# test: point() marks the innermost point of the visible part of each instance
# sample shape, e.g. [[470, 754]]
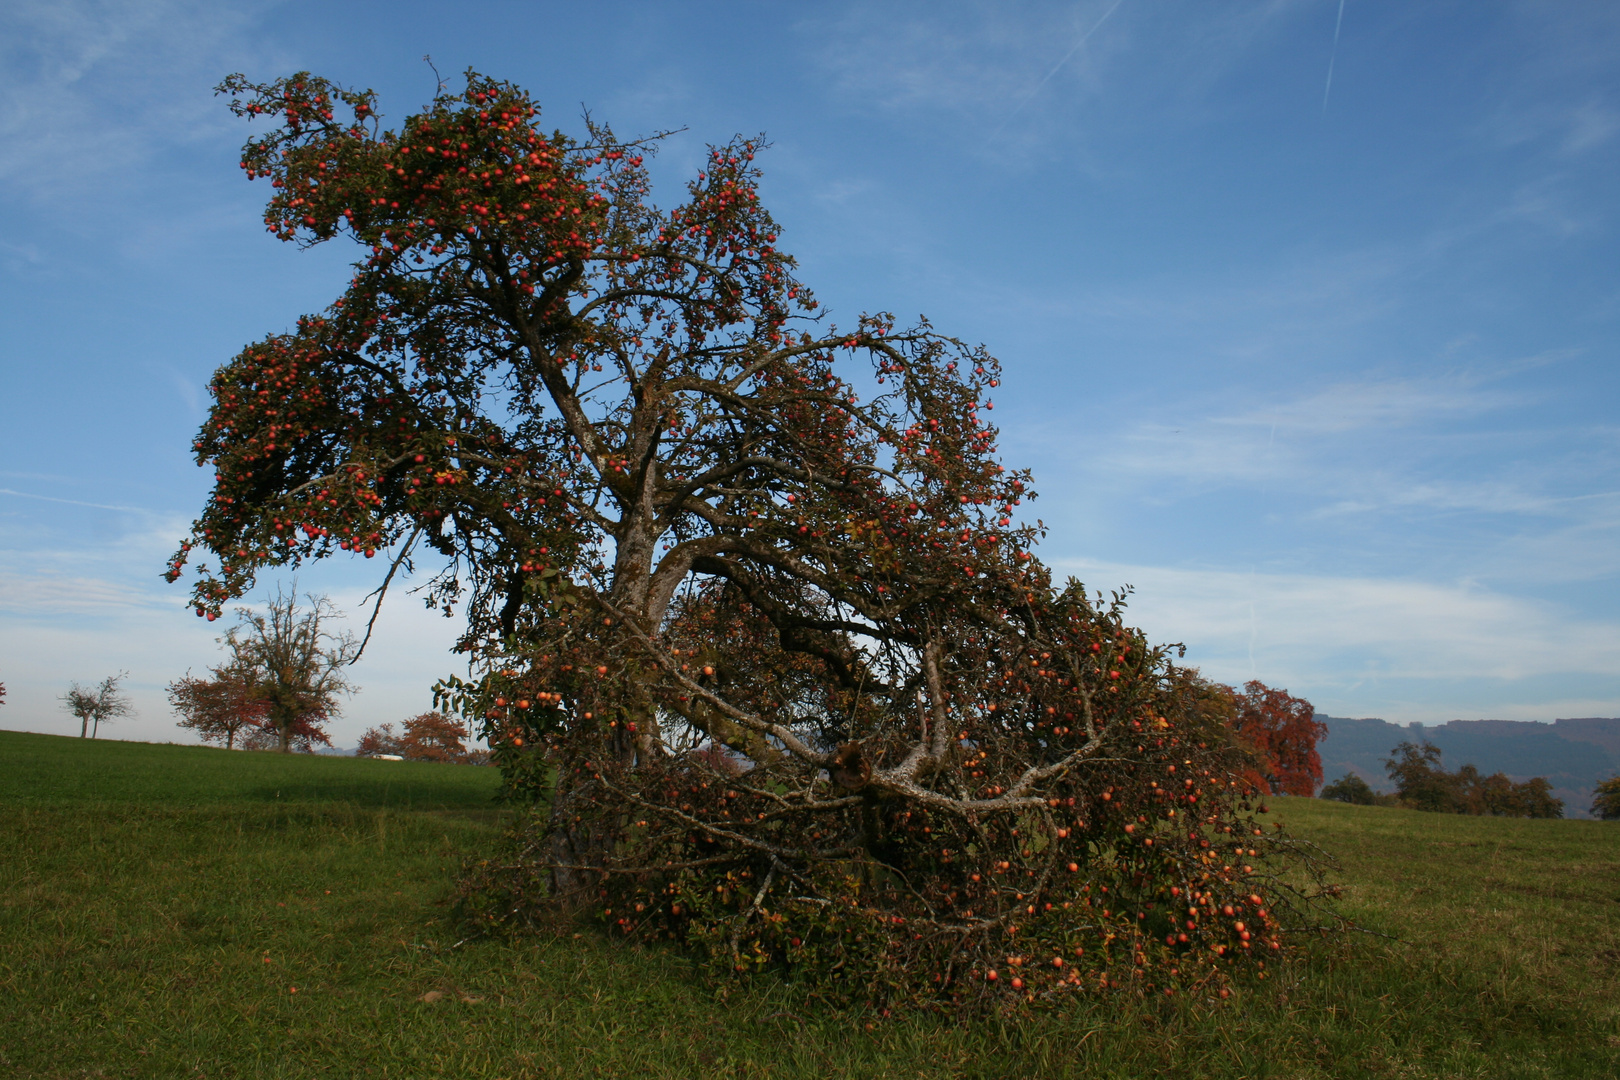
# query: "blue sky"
[[1327, 373]]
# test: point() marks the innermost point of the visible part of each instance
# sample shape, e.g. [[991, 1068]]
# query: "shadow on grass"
[[416, 793]]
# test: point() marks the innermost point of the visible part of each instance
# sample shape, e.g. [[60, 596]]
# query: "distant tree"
[[98, 705], [1420, 782], [429, 736], [1283, 731], [1423, 785], [299, 666], [379, 742], [219, 708], [2, 693], [717, 758], [1606, 799], [1534, 797], [433, 736], [1351, 788]]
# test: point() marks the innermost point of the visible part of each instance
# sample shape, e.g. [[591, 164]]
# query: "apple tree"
[[751, 615]]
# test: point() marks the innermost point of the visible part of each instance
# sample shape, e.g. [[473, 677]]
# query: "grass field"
[[187, 912]]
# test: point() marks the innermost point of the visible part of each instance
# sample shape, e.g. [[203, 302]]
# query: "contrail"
[[1334, 55], [1058, 66], [74, 502]]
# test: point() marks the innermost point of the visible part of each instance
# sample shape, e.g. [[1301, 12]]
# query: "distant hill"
[[1574, 755]]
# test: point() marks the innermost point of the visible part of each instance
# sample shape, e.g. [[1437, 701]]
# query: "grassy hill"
[[179, 911]]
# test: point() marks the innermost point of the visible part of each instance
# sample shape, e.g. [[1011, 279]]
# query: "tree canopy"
[[1283, 731], [745, 598], [1351, 788], [1606, 800], [228, 705]]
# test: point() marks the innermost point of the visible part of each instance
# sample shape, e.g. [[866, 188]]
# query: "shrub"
[[1351, 788]]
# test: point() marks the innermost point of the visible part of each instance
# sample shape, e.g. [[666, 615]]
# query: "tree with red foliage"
[[429, 736], [433, 736], [378, 742], [683, 511], [1283, 731], [219, 708]]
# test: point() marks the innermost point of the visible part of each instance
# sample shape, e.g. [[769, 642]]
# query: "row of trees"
[[429, 736], [1422, 784]]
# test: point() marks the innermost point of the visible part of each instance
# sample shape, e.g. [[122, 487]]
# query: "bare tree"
[[103, 703], [299, 665]]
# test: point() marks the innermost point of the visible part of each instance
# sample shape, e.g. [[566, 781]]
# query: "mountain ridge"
[[1574, 754]]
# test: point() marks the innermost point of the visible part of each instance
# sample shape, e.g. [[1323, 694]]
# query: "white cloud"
[[1350, 639], [1591, 125]]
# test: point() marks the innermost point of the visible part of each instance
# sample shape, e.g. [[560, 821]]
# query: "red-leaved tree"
[[219, 709], [429, 736], [1283, 731], [380, 741], [747, 604]]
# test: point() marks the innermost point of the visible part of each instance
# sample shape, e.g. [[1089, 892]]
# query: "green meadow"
[[172, 911]]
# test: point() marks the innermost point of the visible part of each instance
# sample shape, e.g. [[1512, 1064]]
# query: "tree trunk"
[[577, 846], [84, 727]]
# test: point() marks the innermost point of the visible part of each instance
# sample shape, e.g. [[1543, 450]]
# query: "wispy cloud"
[[89, 90], [982, 62], [1379, 445], [53, 596], [1591, 125], [1062, 61], [1367, 404], [1332, 637]]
